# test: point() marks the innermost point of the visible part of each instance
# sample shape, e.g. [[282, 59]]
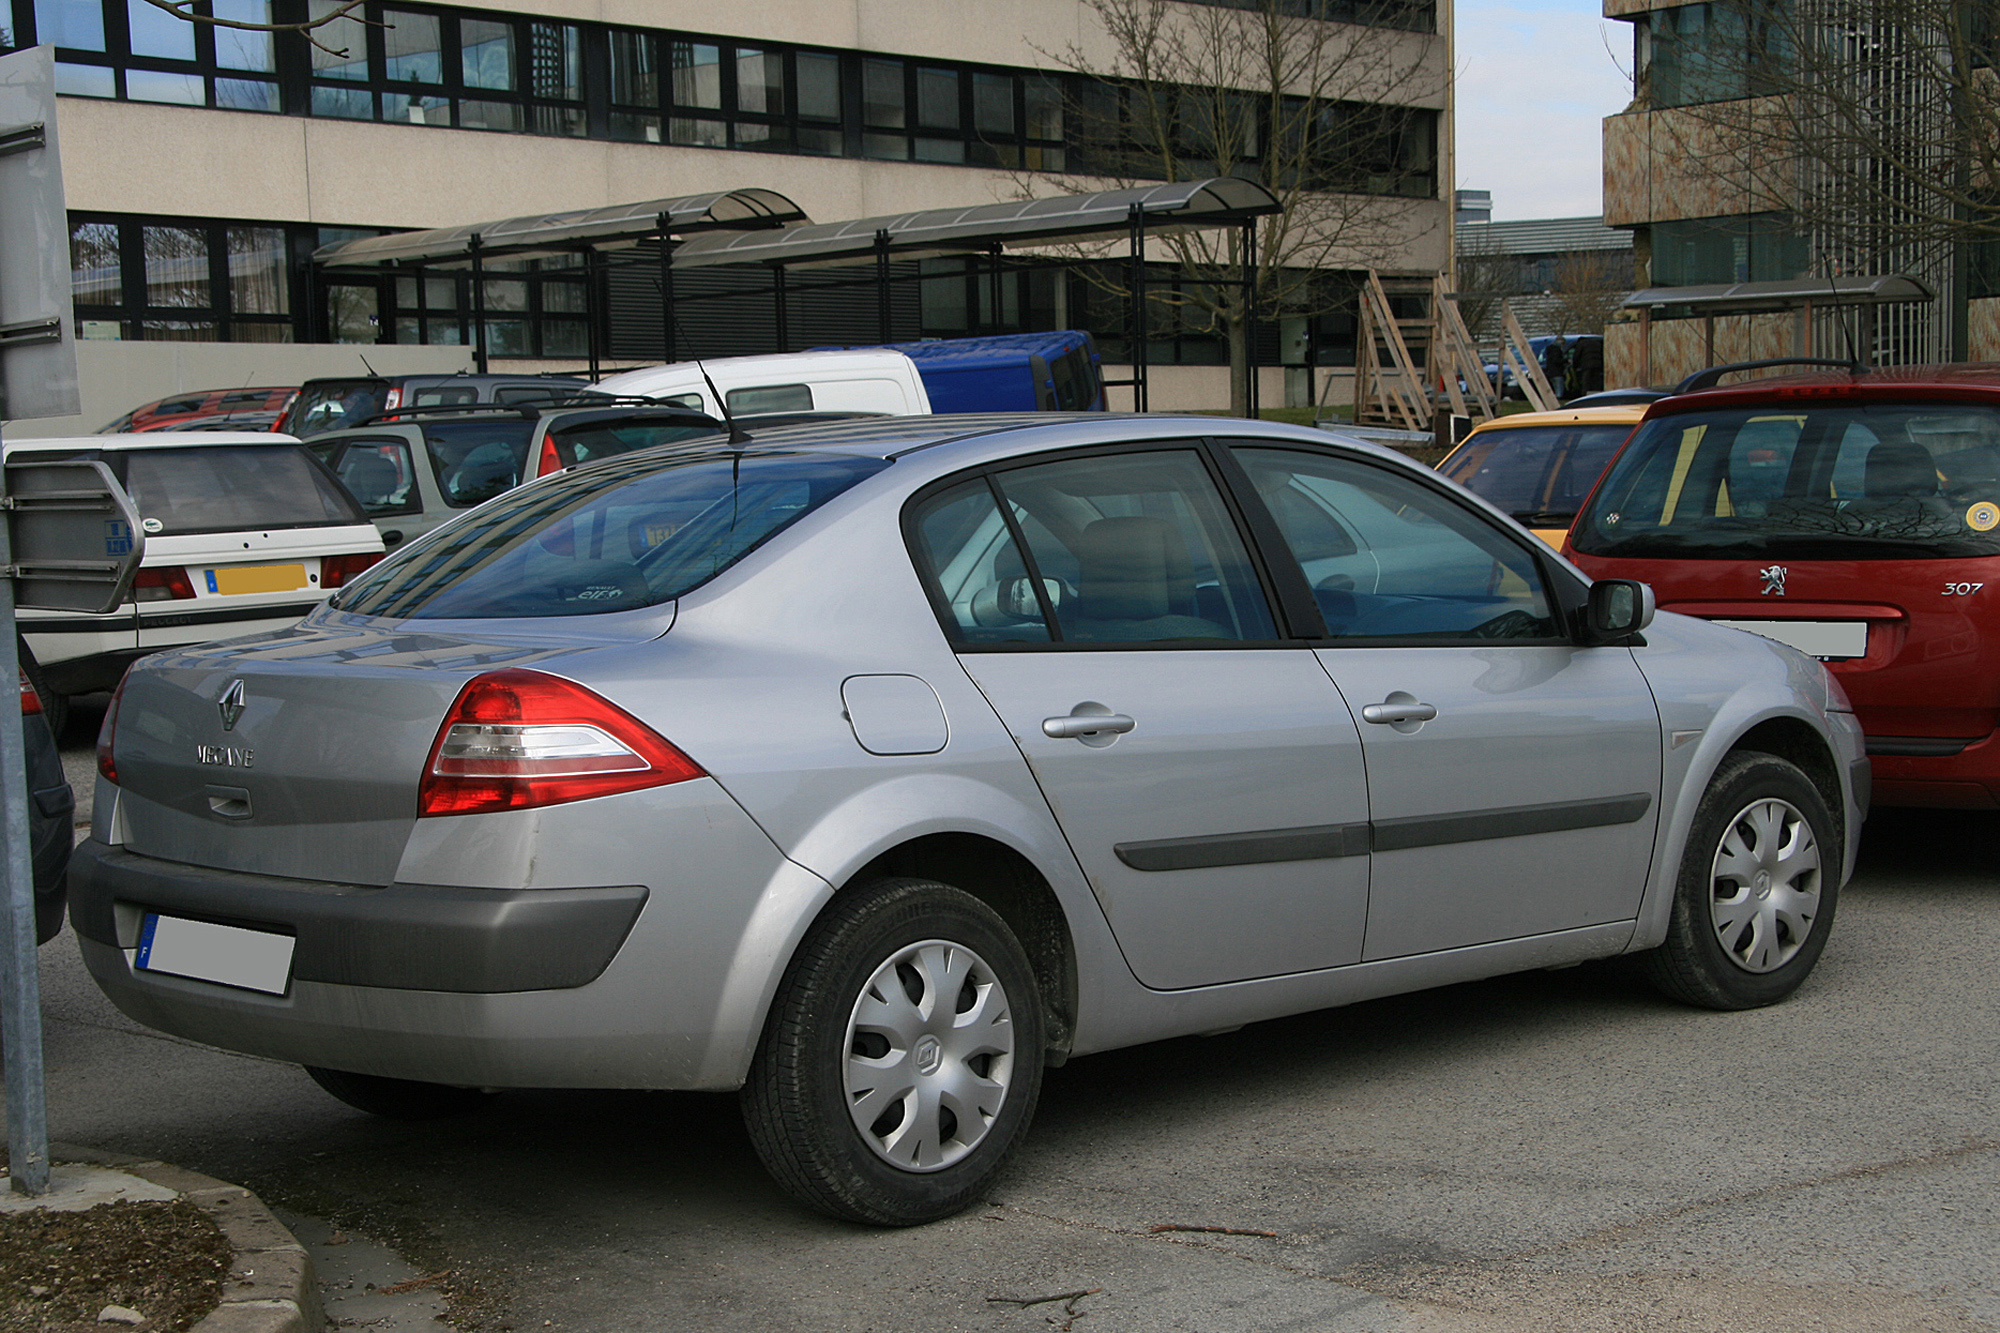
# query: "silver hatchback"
[[871, 768]]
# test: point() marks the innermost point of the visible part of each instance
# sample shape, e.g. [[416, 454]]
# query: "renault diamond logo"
[[232, 705]]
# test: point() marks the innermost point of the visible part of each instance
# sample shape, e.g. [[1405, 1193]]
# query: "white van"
[[875, 379]]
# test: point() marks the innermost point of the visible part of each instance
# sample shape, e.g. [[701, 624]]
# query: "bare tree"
[[1322, 113], [1487, 275], [1873, 124], [1588, 287]]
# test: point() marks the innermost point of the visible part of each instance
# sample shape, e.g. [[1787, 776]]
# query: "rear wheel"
[[1757, 889], [902, 1058], [398, 1098]]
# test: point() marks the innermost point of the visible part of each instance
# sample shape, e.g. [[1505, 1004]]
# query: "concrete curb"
[[271, 1286]]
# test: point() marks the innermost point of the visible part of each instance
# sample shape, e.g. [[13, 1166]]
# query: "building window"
[[180, 278], [133, 51], [1711, 53], [1751, 247]]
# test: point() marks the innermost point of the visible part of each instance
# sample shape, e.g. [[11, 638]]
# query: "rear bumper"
[[1966, 776], [403, 936]]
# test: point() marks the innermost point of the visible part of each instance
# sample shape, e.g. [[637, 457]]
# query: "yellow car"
[[1539, 466]]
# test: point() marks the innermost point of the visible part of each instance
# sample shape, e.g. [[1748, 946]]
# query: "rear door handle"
[[1079, 725], [1398, 712]]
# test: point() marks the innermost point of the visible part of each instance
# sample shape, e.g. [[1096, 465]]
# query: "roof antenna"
[[737, 435], [372, 373]]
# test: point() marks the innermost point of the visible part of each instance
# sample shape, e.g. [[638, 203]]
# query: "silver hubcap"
[[1764, 889], [930, 1055]]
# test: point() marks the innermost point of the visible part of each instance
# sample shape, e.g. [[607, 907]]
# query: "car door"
[[1207, 776], [1513, 773]]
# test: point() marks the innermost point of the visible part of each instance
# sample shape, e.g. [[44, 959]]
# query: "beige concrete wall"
[[1984, 344], [115, 377]]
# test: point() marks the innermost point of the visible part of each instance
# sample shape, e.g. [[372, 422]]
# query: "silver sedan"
[[872, 768]]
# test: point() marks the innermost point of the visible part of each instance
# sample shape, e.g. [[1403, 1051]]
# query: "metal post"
[[1250, 318], [663, 223], [593, 307], [478, 307], [780, 308], [1138, 225], [21, 1003], [882, 285], [997, 306]]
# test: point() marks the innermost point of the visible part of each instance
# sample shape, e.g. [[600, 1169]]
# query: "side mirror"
[[1618, 607]]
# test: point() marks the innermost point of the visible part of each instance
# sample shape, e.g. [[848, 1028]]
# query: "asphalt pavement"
[[1554, 1150]]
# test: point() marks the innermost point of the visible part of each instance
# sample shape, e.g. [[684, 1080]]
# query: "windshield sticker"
[[1983, 517]]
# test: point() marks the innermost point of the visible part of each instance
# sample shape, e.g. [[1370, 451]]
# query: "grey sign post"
[[37, 379]]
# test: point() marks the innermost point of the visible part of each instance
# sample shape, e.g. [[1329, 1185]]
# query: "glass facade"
[[1716, 52], [1749, 247]]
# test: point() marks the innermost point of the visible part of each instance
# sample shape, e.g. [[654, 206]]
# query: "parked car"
[[334, 403], [877, 379], [1538, 466], [1855, 516], [175, 411], [414, 468], [1577, 349], [244, 531], [51, 807], [871, 767], [220, 421], [1010, 372]]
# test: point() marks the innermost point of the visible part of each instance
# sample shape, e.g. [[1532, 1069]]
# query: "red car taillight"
[[336, 570], [516, 739], [165, 583], [550, 460], [107, 736], [30, 701]]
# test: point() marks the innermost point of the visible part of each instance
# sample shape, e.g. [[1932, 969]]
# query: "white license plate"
[[1815, 638], [228, 955]]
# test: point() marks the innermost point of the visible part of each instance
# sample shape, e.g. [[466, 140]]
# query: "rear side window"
[[232, 488], [607, 439], [1806, 481], [635, 532], [478, 459], [332, 404], [380, 474], [771, 398]]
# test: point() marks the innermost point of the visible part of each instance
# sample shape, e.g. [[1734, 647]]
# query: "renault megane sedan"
[[870, 768]]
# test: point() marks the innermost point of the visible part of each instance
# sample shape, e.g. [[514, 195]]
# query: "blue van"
[[1010, 372]]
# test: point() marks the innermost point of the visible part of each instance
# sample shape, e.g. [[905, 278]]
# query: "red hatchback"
[[1855, 516]]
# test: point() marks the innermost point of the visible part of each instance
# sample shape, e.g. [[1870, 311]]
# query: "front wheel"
[[1756, 892], [902, 1058]]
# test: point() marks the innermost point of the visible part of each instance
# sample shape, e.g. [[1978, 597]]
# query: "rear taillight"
[[166, 583], [550, 460], [517, 739], [336, 570], [107, 736], [30, 701], [393, 398]]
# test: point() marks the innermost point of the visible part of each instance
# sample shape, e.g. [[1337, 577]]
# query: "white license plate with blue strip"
[[258, 960]]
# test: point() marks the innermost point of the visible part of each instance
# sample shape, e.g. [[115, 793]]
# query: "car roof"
[[1612, 414], [154, 440], [1971, 382]]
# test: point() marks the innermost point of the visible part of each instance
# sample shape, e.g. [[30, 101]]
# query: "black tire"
[[915, 1162], [398, 1098], [1749, 920]]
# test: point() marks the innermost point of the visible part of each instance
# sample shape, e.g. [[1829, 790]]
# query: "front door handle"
[[1394, 712], [1079, 726]]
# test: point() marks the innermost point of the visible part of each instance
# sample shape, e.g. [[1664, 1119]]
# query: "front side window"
[[1389, 558], [379, 474], [1121, 548], [634, 532], [1805, 481]]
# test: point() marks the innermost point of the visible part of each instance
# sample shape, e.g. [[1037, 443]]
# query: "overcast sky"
[[1535, 80]]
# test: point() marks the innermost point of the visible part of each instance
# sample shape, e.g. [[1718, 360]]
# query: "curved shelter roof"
[[599, 228], [1170, 206], [1749, 298]]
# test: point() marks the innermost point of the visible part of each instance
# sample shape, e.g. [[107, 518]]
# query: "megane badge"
[[231, 705], [1774, 583]]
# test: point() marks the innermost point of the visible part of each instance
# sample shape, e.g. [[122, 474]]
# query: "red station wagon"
[[1854, 515]]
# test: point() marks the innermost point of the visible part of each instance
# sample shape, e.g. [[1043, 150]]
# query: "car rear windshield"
[[327, 405], [479, 458], [232, 488], [1538, 474], [1846, 481], [634, 532]]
